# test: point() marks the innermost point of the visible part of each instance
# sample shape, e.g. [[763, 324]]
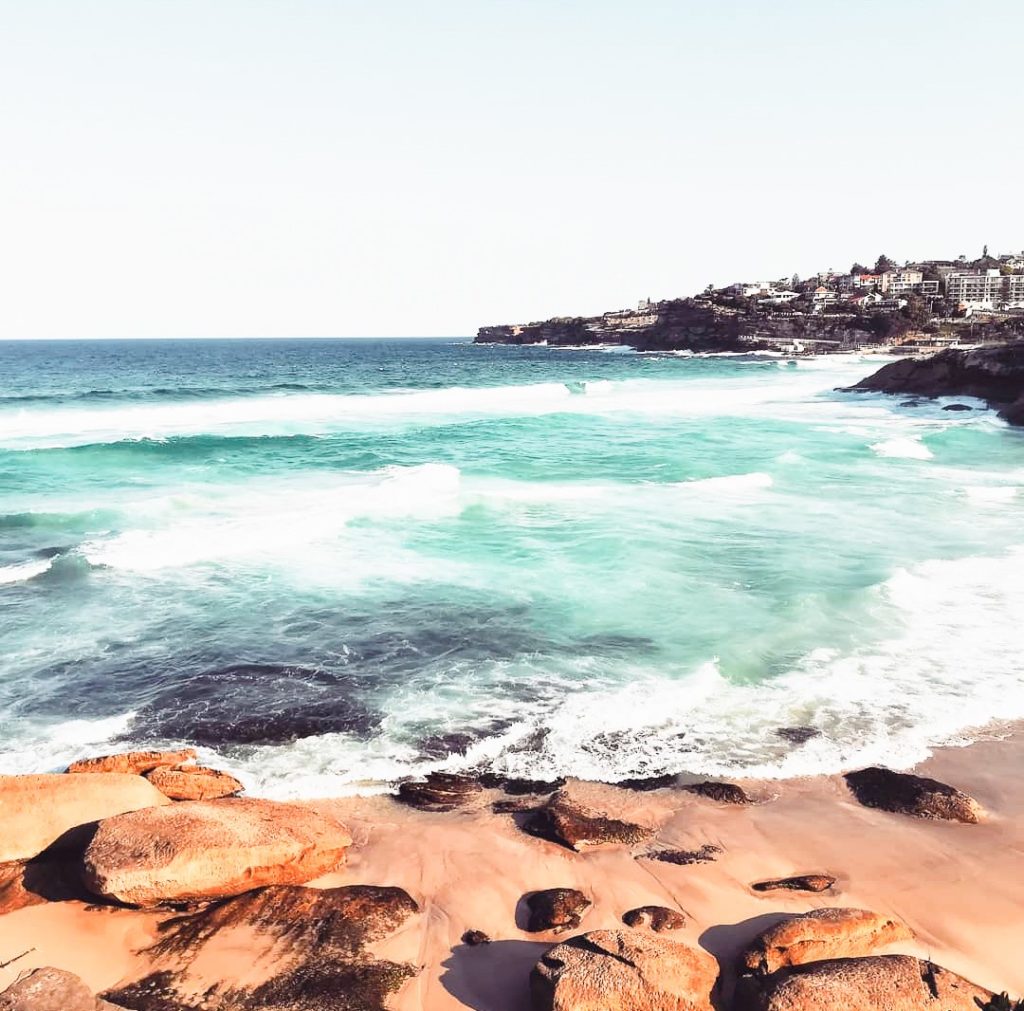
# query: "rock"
[[565, 821], [705, 855], [133, 762], [555, 909], [38, 812], [648, 784], [442, 791], [624, 970], [193, 782], [199, 850], [49, 878], [797, 735], [313, 941], [724, 793], [904, 793], [51, 989], [957, 407], [994, 374], [475, 937], [798, 883], [892, 982], [658, 918], [821, 934]]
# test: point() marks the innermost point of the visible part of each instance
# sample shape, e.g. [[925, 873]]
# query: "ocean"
[[330, 564]]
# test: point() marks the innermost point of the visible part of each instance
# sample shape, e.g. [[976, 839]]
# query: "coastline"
[[956, 886]]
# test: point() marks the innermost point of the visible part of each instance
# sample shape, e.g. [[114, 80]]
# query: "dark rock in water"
[[705, 855], [645, 785], [315, 939], [797, 735], [51, 989], [442, 745], [564, 821], [442, 791], [798, 883], [724, 793], [994, 374], [520, 787], [957, 407], [475, 937], [919, 796], [658, 918], [555, 909]]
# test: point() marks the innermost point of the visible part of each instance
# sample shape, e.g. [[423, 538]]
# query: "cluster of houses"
[[991, 284]]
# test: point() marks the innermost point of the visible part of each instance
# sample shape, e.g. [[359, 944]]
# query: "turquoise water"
[[330, 564]]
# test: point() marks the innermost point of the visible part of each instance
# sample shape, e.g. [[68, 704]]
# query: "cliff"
[[993, 374], [695, 324]]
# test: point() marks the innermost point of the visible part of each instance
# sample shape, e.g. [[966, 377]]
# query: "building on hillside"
[[780, 297], [752, 289], [822, 297], [896, 282], [989, 289], [864, 299], [867, 280]]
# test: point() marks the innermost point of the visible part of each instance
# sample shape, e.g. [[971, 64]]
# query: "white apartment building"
[[988, 289], [897, 282]]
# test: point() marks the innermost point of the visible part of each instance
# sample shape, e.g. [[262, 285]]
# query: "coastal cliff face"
[[993, 374], [679, 324]]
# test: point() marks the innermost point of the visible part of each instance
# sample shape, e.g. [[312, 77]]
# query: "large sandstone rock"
[[193, 782], [38, 811], [904, 793], [556, 909], [565, 820], [133, 762], [627, 970], [821, 934], [51, 990], [197, 850], [889, 982]]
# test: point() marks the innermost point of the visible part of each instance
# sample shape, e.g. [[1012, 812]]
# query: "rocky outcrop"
[[313, 941], [723, 793], [707, 854], [658, 918], [474, 938], [557, 909], [993, 374], [441, 791], [641, 971], [798, 883], [193, 782], [565, 820], [903, 793], [51, 989], [133, 762], [199, 850], [821, 934], [38, 812], [892, 982]]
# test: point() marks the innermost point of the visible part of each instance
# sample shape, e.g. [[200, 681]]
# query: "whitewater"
[[331, 565]]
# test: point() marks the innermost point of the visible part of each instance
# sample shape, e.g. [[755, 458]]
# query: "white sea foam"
[[991, 494], [903, 449], [34, 747], [21, 571]]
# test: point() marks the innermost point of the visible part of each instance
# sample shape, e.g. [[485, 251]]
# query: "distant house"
[[988, 289], [867, 281], [897, 282], [821, 297], [864, 299], [780, 297]]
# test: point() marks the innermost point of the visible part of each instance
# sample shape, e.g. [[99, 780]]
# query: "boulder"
[[199, 850], [892, 982], [821, 934], [441, 791], [798, 883], [193, 782], [51, 989], [555, 909], [903, 793], [133, 762], [475, 937], [707, 854], [38, 812], [724, 793], [564, 820], [658, 918], [625, 969]]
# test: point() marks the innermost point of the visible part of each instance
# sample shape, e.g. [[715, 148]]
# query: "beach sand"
[[959, 887]]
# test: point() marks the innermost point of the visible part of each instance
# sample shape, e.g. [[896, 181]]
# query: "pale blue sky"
[[258, 168]]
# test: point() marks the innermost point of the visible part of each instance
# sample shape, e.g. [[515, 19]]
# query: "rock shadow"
[[492, 977], [726, 941]]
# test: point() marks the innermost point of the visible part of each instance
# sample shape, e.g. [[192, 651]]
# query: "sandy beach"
[[957, 886]]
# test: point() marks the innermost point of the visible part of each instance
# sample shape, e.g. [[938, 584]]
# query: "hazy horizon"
[[343, 170]]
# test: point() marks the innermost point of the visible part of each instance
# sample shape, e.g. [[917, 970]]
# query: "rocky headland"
[[877, 889], [993, 374]]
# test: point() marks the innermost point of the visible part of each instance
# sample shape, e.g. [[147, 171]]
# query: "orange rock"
[[37, 812], [209, 849], [625, 969], [51, 990], [822, 934], [134, 762], [893, 982], [193, 782]]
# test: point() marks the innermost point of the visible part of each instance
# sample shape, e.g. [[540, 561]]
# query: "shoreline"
[[957, 886]]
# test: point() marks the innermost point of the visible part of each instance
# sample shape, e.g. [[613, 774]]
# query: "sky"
[[263, 168]]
